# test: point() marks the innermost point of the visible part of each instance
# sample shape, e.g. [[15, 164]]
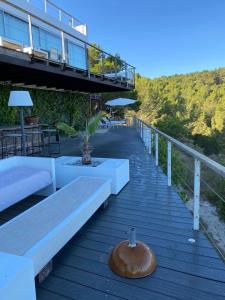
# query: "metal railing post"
[[142, 131], [30, 32], [196, 193], [150, 141], [63, 47], [147, 138], [169, 152], [126, 74], [45, 3], [144, 134], [102, 63], [60, 15], [156, 149], [87, 61], [115, 65]]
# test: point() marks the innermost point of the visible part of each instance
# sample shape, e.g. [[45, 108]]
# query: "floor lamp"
[[21, 99]]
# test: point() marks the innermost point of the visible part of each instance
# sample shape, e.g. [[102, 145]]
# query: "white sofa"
[[21, 177]]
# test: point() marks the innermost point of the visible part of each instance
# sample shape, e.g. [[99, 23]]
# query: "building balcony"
[[49, 48]]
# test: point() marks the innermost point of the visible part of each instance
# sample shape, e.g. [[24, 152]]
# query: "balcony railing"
[[151, 136], [61, 15]]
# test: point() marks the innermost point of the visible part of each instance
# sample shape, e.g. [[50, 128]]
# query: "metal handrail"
[[199, 158], [218, 168]]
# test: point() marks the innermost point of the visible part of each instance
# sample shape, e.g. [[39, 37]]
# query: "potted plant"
[[66, 129], [31, 119], [90, 129]]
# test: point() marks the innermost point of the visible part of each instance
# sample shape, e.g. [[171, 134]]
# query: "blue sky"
[[158, 37]]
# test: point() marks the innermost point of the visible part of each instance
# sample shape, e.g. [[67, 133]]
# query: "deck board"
[[185, 271]]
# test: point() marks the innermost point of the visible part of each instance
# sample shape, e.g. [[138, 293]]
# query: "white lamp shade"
[[20, 98]]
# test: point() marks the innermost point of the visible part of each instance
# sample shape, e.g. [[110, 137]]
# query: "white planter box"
[[115, 169]]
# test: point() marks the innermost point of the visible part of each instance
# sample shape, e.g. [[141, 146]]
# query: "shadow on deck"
[[185, 271]]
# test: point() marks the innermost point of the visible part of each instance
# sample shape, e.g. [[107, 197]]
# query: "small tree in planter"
[[90, 129], [31, 119], [66, 129]]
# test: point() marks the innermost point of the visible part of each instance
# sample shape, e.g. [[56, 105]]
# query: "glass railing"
[[61, 15], [109, 66]]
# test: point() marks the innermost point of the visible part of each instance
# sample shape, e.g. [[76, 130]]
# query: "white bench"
[[21, 177], [40, 232]]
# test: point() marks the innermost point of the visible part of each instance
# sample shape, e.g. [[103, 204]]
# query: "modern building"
[[49, 47]]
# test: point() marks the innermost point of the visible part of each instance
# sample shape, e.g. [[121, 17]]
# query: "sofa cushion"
[[20, 182]]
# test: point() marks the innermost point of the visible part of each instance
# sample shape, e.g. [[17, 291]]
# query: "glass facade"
[[16, 29], [2, 31], [76, 56], [48, 42], [36, 37], [51, 43]]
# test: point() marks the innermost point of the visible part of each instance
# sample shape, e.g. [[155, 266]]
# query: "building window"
[[2, 31], [51, 43], [16, 29], [76, 56], [36, 37], [47, 41]]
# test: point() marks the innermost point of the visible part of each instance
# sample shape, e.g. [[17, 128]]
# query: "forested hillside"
[[191, 108], [187, 106]]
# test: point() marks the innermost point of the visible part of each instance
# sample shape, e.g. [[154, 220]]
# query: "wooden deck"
[[185, 271]]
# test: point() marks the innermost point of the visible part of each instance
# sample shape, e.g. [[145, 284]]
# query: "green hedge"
[[52, 107]]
